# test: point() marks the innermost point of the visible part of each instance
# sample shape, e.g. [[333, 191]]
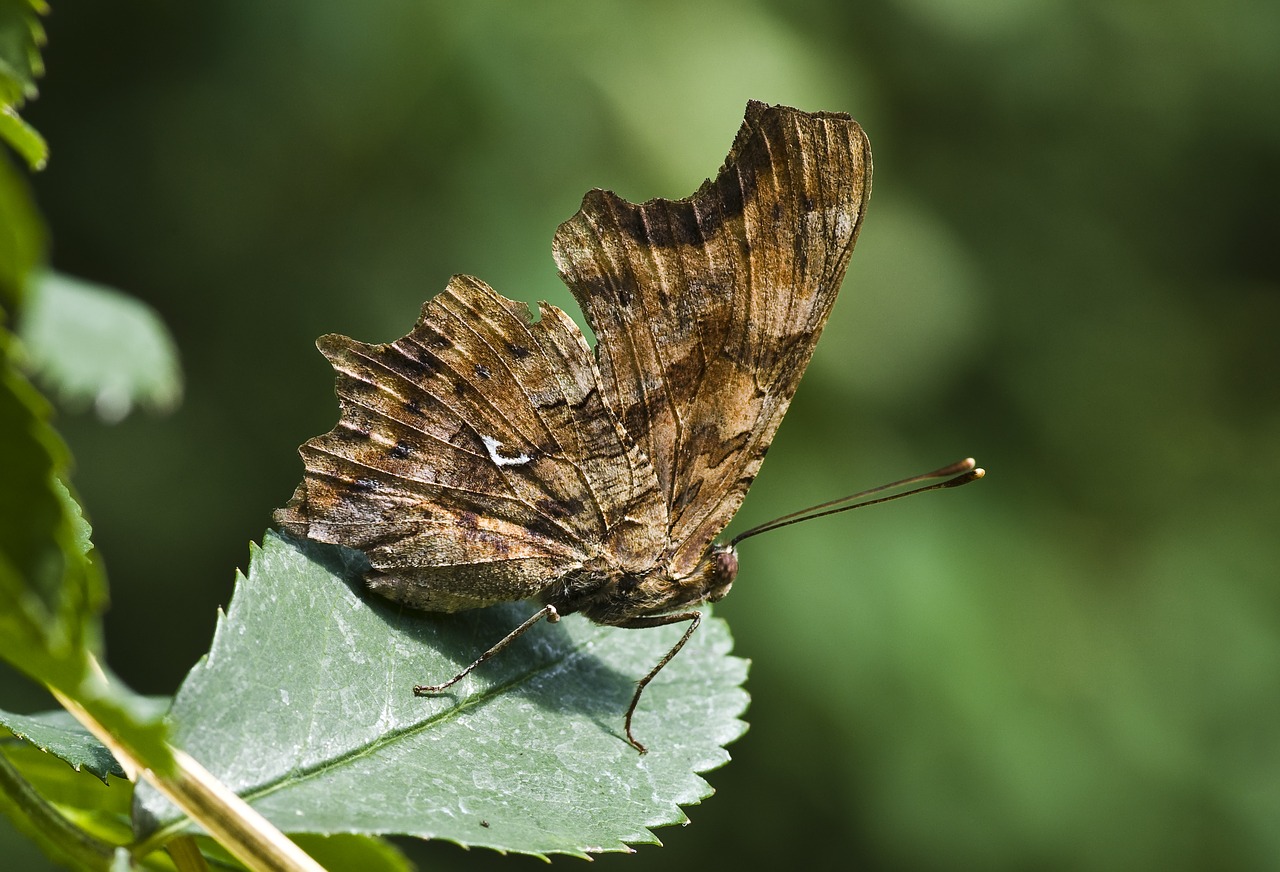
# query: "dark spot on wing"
[[684, 228], [683, 499], [407, 360], [557, 403], [730, 202], [636, 419], [629, 217], [561, 509], [716, 448], [431, 336], [594, 290], [545, 527]]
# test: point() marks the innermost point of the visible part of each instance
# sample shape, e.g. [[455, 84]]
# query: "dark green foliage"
[[21, 37]]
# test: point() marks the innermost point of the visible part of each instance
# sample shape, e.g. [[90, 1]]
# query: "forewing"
[[475, 460], [707, 309]]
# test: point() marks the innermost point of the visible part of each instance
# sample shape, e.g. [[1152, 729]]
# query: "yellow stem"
[[249, 836]]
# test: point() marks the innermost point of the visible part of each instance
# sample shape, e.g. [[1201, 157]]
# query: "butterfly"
[[491, 456]]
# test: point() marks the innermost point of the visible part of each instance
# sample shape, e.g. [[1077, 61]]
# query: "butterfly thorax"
[[610, 596]]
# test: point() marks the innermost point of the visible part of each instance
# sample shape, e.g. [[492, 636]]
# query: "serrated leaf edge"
[[696, 793]]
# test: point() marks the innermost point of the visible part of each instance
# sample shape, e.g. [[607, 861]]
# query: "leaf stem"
[[186, 854], [249, 836], [36, 816]]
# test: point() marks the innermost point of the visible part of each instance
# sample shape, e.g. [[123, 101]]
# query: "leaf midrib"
[[473, 700]]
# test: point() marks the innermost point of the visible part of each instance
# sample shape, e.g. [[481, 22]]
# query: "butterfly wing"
[[475, 460], [707, 309]]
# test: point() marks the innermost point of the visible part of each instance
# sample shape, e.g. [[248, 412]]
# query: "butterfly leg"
[[548, 612], [694, 618]]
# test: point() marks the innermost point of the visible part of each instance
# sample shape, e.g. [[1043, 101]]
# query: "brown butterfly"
[[490, 456]]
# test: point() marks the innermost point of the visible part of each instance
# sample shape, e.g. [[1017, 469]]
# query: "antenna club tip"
[[960, 467], [963, 478]]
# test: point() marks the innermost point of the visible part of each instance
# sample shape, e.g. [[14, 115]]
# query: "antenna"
[[961, 472]]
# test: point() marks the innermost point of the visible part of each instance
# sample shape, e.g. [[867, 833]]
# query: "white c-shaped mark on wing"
[[492, 445]]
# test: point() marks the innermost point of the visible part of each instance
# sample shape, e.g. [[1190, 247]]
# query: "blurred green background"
[[1069, 270]]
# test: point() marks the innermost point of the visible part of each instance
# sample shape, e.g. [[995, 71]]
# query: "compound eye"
[[725, 565]]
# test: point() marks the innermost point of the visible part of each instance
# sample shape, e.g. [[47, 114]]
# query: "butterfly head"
[[722, 569]]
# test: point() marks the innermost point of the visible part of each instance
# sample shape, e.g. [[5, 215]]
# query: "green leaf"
[[51, 587], [21, 36], [304, 706], [22, 235], [93, 811], [93, 345], [24, 138], [67, 788], [60, 838], [350, 851], [90, 810], [61, 735]]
